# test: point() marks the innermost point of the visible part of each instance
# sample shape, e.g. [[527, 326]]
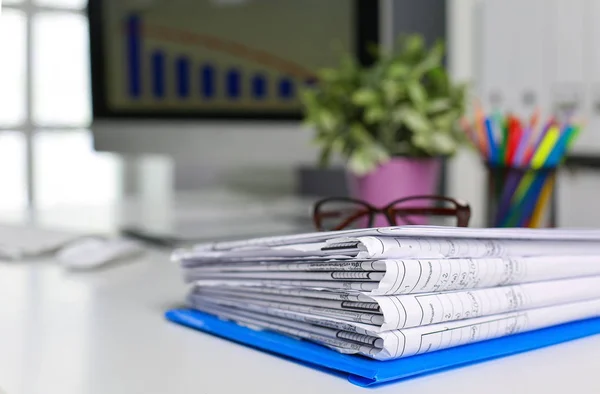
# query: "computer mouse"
[[92, 253]]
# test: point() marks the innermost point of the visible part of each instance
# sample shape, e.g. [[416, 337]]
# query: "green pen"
[[503, 124], [573, 137]]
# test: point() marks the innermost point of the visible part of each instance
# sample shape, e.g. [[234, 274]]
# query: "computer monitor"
[[216, 80]]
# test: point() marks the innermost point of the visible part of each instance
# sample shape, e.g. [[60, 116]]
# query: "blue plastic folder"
[[366, 372]]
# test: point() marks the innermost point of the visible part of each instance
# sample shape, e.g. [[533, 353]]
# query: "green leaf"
[[458, 93], [360, 134], [348, 62], [327, 121], [437, 80], [442, 144], [417, 94], [374, 115], [328, 74], [446, 120], [415, 121], [308, 96], [439, 105], [365, 97], [397, 116], [414, 45], [379, 153], [398, 71], [308, 122], [432, 60], [392, 90], [422, 141], [367, 158], [325, 156], [360, 163]]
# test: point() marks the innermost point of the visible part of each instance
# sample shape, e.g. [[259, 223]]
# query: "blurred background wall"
[[48, 157]]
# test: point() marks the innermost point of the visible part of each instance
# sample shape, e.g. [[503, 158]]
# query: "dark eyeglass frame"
[[462, 211]]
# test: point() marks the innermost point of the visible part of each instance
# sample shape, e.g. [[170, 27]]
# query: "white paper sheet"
[[291, 291], [279, 283], [409, 276], [308, 265], [365, 276], [423, 339], [425, 309], [405, 311], [408, 272], [360, 306], [411, 231], [397, 247], [375, 319], [199, 302], [418, 340], [341, 341], [390, 247], [431, 275]]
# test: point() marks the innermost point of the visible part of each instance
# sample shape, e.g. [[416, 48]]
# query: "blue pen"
[[492, 157], [559, 149]]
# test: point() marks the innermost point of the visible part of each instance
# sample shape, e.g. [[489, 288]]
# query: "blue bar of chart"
[[181, 76], [157, 67], [233, 84], [259, 87], [134, 53], [182, 70], [207, 81], [286, 88]]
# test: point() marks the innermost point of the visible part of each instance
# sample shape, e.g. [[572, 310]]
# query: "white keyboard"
[[20, 241]]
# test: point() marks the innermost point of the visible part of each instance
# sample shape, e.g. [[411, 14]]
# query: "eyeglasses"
[[339, 213]]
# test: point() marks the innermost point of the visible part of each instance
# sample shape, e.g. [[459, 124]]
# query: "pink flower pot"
[[400, 177]]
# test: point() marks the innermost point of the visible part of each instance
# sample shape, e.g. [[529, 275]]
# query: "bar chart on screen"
[[207, 58], [176, 67]]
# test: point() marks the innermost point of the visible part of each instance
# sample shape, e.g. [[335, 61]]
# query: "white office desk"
[[104, 333]]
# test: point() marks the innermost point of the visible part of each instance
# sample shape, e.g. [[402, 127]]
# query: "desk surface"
[[104, 332]]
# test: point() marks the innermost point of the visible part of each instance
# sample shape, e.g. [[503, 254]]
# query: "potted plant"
[[393, 121]]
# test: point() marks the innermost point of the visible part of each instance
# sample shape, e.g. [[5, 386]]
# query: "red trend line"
[[231, 47]]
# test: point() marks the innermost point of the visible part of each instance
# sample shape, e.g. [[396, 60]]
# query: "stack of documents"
[[395, 292]]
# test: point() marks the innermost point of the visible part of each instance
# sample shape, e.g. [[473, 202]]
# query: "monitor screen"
[[219, 58]]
